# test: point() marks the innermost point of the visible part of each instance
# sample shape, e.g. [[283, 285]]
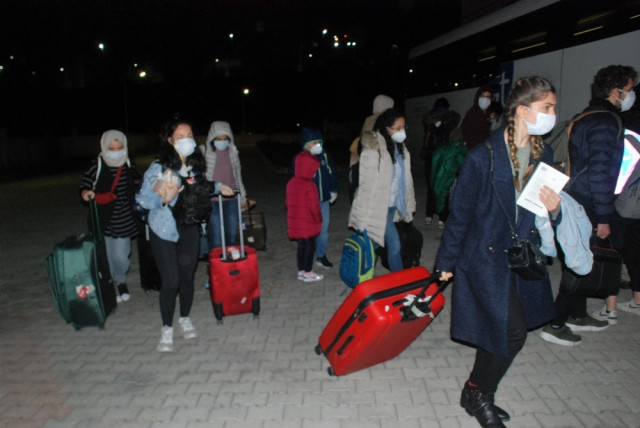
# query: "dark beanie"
[[310, 134]]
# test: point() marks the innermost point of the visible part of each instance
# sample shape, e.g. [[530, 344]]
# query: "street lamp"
[[245, 94], [101, 47]]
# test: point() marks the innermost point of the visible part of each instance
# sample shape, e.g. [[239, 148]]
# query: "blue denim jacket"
[[161, 219]]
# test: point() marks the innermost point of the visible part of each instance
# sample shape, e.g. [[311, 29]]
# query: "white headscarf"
[[106, 139]]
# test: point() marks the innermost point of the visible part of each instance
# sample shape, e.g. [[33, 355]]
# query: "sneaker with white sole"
[[587, 323], [604, 315], [324, 262], [312, 277], [560, 336], [166, 339], [630, 307], [428, 220], [186, 328], [123, 293], [440, 224], [301, 275]]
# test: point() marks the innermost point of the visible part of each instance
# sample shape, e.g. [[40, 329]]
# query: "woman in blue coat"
[[492, 307]]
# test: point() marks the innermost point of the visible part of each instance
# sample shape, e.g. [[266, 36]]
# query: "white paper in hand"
[[544, 175]]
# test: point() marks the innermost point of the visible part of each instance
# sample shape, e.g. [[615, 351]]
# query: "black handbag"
[[526, 259], [604, 278]]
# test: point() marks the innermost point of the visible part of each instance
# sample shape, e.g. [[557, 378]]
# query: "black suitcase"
[[411, 241], [149, 275], [255, 230]]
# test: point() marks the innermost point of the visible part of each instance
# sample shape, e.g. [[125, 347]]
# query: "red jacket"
[[304, 218]]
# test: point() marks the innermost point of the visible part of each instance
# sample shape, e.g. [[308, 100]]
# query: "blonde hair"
[[524, 92]]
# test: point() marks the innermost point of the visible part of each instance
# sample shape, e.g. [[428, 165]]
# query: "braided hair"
[[524, 92]]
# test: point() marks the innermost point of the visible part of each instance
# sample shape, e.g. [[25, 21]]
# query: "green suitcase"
[[80, 279]]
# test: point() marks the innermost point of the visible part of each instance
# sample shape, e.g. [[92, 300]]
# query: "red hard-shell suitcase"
[[233, 277], [379, 319]]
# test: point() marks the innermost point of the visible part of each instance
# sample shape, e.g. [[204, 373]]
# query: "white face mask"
[[544, 123], [185, 146], [316, 150], [116, 155], [221, 144], [399, 136], [484, 103], [627, 103]]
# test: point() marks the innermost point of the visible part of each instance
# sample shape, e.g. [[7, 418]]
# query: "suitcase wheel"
[[330, 371], [318, 350]]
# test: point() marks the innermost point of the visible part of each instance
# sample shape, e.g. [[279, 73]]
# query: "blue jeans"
[[323, 239], [392, 243], [118, 251], [230, 215]]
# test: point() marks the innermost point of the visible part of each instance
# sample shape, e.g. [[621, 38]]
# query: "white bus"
[[566, 41]]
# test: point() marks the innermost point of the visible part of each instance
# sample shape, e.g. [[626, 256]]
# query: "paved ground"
[[264, 373]]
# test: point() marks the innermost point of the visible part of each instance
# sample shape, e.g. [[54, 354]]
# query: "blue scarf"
[[401, 203]]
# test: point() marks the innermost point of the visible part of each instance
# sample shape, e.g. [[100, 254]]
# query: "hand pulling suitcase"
[[379, 319], [80, 278], [233, 277]]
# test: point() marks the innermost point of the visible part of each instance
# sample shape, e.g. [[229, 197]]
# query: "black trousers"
[[177, 265], [306, 248], [489, 369], [626, 237]]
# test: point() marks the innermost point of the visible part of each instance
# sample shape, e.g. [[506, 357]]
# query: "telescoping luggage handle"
[[419, 306], [224, 244]]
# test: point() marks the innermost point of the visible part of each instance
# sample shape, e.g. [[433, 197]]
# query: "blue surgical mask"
[[185, 146], [221, 144], [484, 103], [627, 103], [116, 155], [544, 123], [316, 150]]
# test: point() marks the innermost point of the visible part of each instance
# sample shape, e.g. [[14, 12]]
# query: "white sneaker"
[[603, 315], [186, 328], [630, 307], [428, 220], [166, 340], [125, 297], [312, 277], [440, 224]]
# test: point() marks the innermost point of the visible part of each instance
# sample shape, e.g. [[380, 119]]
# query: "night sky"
[[54, 78]]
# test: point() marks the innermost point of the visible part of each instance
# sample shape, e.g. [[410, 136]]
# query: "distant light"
[[217, 60], [324, 31], [11, 57], [353, 44], [344, 35], [487, 58], [231, 35], [135, 65], [245, 91], [634, 17], [455, 84], [589, 30], [33, 73], [298, 125], [411, 70], [336, 44], [101, 46], [142, 74], [528, 47], [61, 68], [335, 38], [310, 55], [1, 67]]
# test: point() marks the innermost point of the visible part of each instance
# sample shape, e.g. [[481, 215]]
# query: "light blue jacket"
[[573, 233], [161, 219]]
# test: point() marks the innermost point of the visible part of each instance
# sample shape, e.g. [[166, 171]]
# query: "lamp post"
[[245, 94]]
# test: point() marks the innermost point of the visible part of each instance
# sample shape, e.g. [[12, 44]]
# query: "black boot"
[[480, 405], [466, 400]]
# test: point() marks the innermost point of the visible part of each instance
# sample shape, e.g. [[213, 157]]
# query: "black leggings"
[[306, 248], [488, 368], [177, 265]]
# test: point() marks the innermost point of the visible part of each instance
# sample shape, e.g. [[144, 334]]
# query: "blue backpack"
[[358, 259]]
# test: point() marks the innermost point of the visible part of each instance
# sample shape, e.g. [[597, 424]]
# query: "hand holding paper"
[[544, 175]]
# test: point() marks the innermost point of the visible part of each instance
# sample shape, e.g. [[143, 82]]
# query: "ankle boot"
[[480, 405], [466, 400]]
